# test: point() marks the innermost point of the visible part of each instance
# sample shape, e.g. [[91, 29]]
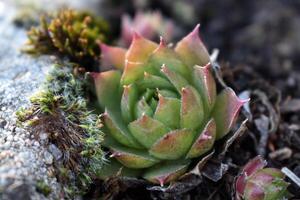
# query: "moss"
[[69, 33], [43, 188], [61, 110]]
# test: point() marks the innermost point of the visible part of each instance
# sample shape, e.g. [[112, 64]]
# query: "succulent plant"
[[161, 105], [70, 33], [259, 183], [150, 25]]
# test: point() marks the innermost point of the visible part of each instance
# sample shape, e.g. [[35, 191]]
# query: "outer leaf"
[[205, 140], [192, 112], [166, 56], [108, 89], [132, 72], [167, 172], [119, 131], [128, 101], [113, 167], [206, 85], [191, 49], [152, 81], [168, 111], [133, 158], [112, 56], [173, 145], [253, 192], [250, 168], [140, 49], [177, 80], [147, 130], [226, 110], [142, 108]]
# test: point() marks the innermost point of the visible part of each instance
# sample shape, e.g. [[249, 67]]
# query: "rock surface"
[[22, 158], [24, 161]]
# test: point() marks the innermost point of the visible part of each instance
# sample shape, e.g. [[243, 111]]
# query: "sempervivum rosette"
[[161, 105], [259, 183]]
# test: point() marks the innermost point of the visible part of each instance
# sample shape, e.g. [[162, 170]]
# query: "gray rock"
[[48, 158], [55, 152], [20, 76], [23, 160]]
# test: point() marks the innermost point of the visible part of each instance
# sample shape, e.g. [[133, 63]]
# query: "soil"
[[259, 44]]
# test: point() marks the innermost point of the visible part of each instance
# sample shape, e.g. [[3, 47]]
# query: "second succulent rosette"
[[161, 107]]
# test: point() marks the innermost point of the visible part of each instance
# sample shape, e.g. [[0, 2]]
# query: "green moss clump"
[[43, 188], [69, 33], [61, 110]]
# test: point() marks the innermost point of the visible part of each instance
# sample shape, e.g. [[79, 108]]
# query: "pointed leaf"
[[226, 110], [108, 89], [119, 131], [168, 111], [206, 85], [191, 49], [128, 101], [192, 112], [250, 168], [113, 168], [132, 72], [132, 158], [178, 81], [152, 81], [147, 130], [140, 49], [112, 56], [167, 172], [166, 56], [205, 140], [173, 145], [253, 192], [142, 108], [168, 93]]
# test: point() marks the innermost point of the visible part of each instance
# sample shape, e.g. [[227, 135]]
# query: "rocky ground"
[[24, 162]]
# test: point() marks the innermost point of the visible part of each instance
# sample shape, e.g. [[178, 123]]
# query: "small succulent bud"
[[161, 105], [258, 183]]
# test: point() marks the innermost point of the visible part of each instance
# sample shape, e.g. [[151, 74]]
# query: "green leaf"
[[191, 49], [152, 81], [132, 158], [206, 85], [142, 108], [173, 145], [128, 101], [205, 140], [192, 113], [108, 89], [147, 130], [133, 71], [140, 49], [177, 80], [113, 168], [226, 110], [168, 111], [118, 130], [166, 172], [112, 56], [166, 56]]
